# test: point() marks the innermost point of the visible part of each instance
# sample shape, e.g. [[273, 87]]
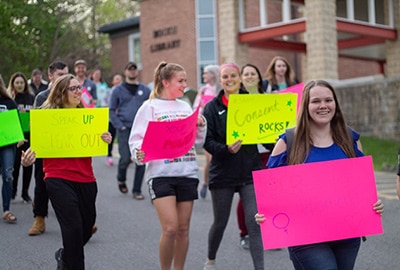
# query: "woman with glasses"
[[70, 183]]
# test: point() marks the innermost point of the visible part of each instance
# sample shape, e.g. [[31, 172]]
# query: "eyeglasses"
[[74, 88]]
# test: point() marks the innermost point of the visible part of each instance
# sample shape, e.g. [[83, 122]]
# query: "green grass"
[[383, 152]]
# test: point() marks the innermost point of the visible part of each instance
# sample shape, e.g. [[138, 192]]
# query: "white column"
[[371, 11], [263, 13], [350, 9], [390, 13], [286, 11]]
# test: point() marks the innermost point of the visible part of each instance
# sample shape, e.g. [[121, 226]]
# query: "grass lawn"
[[383, 152]]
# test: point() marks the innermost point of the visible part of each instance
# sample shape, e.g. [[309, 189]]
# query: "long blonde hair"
[[58, 97], [302, 141], [164, 71]]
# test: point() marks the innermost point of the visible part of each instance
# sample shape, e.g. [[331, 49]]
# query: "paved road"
[[129, 231]]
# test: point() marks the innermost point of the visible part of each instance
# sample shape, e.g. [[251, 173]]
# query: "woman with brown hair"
[[321, 134], [24, 97], [70, 183], [279, 75]]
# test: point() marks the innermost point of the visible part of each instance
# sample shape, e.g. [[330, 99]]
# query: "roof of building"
[[120, 25]]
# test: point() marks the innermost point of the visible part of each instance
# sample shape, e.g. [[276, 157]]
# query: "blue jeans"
[[335, 255], [125, 160], [7, 156]]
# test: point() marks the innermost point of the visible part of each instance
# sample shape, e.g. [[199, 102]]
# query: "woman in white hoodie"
[[172, 182]]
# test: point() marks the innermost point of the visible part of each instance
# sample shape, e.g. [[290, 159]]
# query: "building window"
[[369, 11], [135, 50], [206, 35]]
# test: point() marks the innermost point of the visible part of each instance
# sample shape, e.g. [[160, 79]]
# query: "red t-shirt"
[[71, 169]]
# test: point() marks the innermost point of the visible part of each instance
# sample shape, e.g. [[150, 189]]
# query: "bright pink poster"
[[167, 140], [296, 89], [206, 98], [86, 98], [317, 202]]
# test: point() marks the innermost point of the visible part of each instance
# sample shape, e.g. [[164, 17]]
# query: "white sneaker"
[[210, 265], [244, 242]]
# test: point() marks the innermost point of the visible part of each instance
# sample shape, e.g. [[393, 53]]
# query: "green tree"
[[36, 32]]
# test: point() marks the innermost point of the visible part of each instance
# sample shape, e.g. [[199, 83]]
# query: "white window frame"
[[132, 38]]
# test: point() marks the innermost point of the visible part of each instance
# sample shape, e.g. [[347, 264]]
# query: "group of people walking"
[[321, 134]]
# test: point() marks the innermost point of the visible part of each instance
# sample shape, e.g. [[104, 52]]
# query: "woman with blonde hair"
[[230, 171], [172, 182]]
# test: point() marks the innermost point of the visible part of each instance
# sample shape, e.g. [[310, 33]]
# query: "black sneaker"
[[26, 198], [58, 255]]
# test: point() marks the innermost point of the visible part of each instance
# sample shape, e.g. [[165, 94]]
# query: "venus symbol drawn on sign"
[[281, 221]]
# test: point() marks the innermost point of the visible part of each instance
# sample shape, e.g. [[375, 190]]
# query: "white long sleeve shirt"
[[165, 110]]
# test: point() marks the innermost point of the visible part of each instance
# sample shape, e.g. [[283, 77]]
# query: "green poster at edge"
[[25, 121], [10, 128]]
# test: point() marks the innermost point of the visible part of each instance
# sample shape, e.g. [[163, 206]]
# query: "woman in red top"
[[70, 183]]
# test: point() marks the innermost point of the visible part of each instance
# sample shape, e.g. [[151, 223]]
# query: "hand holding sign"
[[259, 118], [69, 132], [177, 138], [10, 128], [290, 216]]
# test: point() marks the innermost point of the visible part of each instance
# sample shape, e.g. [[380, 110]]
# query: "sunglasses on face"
[[75, 88]]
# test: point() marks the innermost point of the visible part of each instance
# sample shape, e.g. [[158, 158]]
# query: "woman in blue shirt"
[[321, 135]]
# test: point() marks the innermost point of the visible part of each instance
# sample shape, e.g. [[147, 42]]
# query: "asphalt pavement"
[[128, 233]]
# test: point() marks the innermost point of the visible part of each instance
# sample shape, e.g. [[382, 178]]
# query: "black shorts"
[[183, 188]]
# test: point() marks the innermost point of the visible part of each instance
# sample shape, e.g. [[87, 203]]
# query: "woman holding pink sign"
[[205, 95], [321, 134], [172, 182]]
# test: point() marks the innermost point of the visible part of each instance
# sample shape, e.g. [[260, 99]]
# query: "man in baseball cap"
[[130, 65], [80, 68], [125, 101]]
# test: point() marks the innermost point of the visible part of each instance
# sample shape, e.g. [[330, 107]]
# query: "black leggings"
[[222, 203], [74, 206], [26, 172]]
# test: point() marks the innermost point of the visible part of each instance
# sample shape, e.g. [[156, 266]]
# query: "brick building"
[[330, 39]]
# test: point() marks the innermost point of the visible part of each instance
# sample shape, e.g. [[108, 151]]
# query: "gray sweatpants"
[[222, 203]]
